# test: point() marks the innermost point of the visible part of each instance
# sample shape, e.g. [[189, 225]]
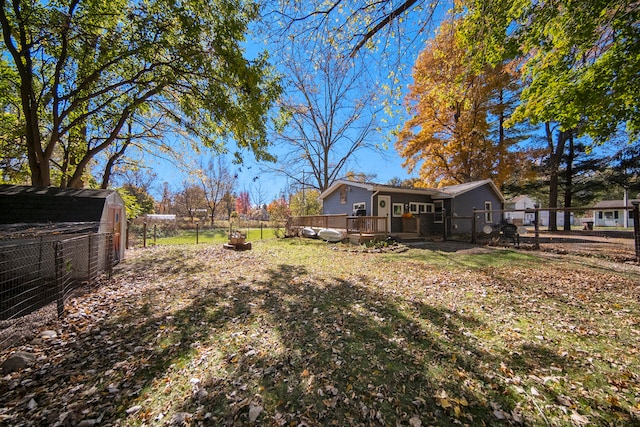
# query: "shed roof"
[[24, 204]]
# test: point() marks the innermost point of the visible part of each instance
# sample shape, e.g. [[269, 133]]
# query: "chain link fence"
[[40, 273], [562, 230]]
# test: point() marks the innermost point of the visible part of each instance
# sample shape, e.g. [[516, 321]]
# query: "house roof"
[[373, 187], [614, 204], [456, 190], [24, 204], [519, 198], [437, 193]]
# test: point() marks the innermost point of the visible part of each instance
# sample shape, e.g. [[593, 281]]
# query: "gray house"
[[422, 210]]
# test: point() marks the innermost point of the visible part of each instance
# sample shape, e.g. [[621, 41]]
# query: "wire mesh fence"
[[42, 272], [142, 232], [580, 231]]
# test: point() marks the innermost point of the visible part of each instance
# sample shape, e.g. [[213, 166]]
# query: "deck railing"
[[367, 225], [351, 224], [319, 221]]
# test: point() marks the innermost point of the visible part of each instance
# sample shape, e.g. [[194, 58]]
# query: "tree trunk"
[[568, 188], [555, 157]]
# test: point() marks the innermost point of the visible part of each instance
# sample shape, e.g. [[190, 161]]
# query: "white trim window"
[[358, 206], [488, 214], [418, 208], [398, 209], [438, 208]]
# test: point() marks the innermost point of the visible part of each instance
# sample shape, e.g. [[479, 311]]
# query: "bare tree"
[[334, 114], [216, 181], [166, 202], [357, 25], [190, 199]]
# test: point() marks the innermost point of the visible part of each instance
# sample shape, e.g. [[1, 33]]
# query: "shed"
[[99, 211]]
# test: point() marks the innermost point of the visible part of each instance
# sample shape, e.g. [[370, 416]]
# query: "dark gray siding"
[[462, 207], [405, 199]]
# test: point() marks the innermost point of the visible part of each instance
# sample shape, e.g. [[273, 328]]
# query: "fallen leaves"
[[302, 335]]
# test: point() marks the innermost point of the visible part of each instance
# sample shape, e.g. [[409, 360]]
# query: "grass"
[[300, 332], [190, 237]]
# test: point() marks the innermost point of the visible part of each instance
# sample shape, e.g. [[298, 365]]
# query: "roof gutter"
[[374, 194]]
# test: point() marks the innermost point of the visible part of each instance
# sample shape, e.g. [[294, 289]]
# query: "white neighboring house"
[[516, 204], [611, 213], [519, 203]]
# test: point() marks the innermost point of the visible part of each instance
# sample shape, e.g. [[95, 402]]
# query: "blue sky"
[[251, 174], [384, 166]]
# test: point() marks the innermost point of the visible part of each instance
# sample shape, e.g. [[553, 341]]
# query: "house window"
[[615, 214], [600, 215], [398, 209], [418, 208], [438, 207], [362, 206], [488, 215]]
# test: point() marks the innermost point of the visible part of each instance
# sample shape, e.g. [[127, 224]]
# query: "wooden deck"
[[358, 229]]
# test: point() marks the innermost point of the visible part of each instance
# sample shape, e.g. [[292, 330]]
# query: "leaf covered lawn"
[[296, 332]]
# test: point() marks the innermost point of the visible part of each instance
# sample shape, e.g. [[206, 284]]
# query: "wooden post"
[[473, 225], [536, 222], [636, 227]]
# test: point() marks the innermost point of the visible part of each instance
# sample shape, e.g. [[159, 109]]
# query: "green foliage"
[[144, 200], [305, 202], [581, 60], [131, 204], [97, 64]]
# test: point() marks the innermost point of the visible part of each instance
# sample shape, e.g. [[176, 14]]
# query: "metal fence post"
[[59, 263], [109, 240], [144, 235], [473, 225], [636, 227], [89, 258]]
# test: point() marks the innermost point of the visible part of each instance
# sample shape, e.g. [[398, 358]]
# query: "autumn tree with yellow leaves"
[[456, 133]]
